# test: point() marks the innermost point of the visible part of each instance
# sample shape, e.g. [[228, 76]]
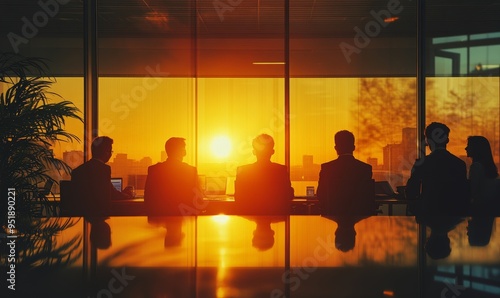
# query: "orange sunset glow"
[[380, 183], [231, 112]]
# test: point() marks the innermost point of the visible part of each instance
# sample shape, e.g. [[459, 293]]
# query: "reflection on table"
[[249, 256], [300, 205]]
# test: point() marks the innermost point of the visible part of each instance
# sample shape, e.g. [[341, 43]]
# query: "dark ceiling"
[[231, 35], [261, 18]]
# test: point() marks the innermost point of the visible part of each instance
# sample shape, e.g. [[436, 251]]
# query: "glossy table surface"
[[237, 256]]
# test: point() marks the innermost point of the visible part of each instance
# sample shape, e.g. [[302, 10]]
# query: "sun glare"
[[220, 219], [220, 146]]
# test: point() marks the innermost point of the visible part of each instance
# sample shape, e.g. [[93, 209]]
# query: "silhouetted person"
[[171, 186], [345, 184], [91, 182], [438, 245], [345, 234], [479, 230], [438, 181], [263, 235], [263, 187], [100, 234], [173, 227], [483, 174]]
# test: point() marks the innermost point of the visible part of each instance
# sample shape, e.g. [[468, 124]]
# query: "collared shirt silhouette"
[[263, 187], [439, 180], [345, 185], [171, 186], [91, 181]]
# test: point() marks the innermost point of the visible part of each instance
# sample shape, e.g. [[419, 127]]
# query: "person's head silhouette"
[[437, 135], [176, 148], [263, 237], [102, 148], [438, 246], [345, 237], [479, 230], [344, 142], [100, 234], [479, 149], [263, 147]]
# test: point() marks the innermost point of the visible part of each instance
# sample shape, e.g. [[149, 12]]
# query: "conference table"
[[256, 256], [301, 205]]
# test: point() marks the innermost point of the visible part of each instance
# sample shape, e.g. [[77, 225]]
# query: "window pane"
[[469, 106], [52, 31], [237, 109], [239, 85], [379, 111], [140, 114], [145, 85]]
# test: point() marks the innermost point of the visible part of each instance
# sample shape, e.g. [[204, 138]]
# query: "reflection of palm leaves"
[[132, 249], [39, 249]]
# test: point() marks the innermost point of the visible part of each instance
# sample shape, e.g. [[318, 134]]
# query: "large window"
[[215, 73]]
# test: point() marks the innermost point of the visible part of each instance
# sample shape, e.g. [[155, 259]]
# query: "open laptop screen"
[[215, 185], [117, 183], [384, 188]]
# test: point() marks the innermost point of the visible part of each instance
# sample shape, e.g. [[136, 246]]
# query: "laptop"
[[215, 188], [384, 188], [117, 183]]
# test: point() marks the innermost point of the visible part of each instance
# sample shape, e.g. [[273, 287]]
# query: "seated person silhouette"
[[263, 235], [91, 182], [345, 185], [171, 186], [173, 226], [483, 177], [264, 187], [100, 234], [345, 234], [438, 182], [438, 245], [479, 230]]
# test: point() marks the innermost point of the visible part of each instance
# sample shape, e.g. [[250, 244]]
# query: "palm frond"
[[31, 122]]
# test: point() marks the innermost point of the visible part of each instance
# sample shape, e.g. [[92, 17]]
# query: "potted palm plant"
[[30, 123]]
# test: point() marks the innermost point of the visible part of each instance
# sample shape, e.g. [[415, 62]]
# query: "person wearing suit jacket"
[[439, 181], [345, 185], [91, 181], [263, 187], [172, 186]]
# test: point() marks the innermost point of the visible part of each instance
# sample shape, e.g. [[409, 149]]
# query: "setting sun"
[[220, 146]]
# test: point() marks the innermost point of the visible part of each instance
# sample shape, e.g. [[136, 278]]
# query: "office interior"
[[219, 73]]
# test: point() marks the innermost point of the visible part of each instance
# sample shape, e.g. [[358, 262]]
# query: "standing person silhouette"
[[172, 185], [439, 180], [263, 187], [345, 185], [483, 174]]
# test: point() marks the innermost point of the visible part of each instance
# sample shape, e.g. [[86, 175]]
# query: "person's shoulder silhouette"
[[483, 177], [263, 187], [171, 184], [345, 185], [439, 180], [91, 182]]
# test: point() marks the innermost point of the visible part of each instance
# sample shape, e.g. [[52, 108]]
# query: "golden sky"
[[140, 114]]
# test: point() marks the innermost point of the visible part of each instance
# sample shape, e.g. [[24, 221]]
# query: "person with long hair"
[[483, 176]]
